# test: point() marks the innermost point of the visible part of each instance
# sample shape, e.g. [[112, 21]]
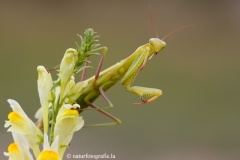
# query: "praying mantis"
[[127, 69]]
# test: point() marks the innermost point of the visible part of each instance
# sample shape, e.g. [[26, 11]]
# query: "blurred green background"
[[197, 116]]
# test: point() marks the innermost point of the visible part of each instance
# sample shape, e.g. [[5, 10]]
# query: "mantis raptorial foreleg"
[[143, 65], [143, 92]]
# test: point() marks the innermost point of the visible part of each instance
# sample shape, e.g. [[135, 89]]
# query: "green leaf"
[[82, 68]]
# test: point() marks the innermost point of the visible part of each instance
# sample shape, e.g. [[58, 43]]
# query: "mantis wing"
[[141, 55]]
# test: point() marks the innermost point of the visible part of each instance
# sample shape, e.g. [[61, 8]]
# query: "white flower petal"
[[76, 106], [16, 129], [54, 145], [46, 145], [38, 114], [7, 124], [6, 154], [49, 152]]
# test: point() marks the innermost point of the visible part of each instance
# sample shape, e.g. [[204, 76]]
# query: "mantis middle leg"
[[101, 91]]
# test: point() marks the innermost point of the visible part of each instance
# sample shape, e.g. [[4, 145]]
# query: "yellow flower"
[[13, 152], [49, 153], [20, 124], [68, 122], [19, 150]]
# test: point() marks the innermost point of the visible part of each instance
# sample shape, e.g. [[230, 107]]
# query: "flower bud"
[[66, 69], [76, 91], [45, 85]]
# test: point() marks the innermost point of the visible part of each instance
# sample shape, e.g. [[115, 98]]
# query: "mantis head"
[[157, 45]]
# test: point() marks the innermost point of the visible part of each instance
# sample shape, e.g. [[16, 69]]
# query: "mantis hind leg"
[[101, 110], [94, 94], [117, 121], [85, 70]]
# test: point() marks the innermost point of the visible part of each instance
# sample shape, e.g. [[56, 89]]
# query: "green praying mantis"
[[127, 69]]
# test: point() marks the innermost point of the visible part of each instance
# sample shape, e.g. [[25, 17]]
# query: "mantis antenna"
[[149, 11], [154, 26], [177, 30]]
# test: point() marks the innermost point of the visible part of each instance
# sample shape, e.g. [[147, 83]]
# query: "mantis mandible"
[[127, 69]]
